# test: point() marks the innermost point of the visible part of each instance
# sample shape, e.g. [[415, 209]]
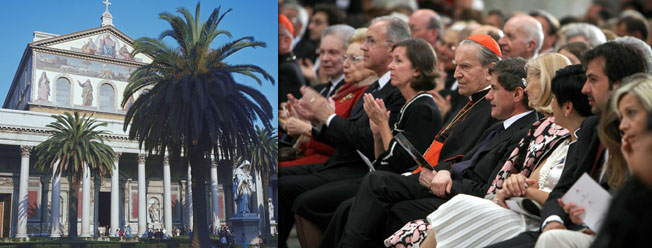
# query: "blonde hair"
[[358, 35], [638, 85], [544, 67]]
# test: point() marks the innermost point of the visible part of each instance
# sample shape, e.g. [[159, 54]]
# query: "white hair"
[[341, 31], [397, 29], [592, 33], [302, 15], [641, 46], [534, 31]]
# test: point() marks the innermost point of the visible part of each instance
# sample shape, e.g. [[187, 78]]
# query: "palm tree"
[[263, 156], [75, 140], [192, 105]]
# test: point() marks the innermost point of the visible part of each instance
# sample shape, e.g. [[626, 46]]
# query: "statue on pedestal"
[[154, 211], [270, 206], [243, 187]]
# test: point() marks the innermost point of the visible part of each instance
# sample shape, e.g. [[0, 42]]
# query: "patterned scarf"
[[541, 139]]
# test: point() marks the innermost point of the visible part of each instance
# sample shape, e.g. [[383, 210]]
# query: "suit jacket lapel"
[[357, 111]]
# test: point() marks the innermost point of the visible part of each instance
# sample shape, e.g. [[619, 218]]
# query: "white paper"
[[366, 160], [592, 197]]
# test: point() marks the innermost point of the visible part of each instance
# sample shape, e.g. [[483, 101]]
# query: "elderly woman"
[[544, 136], [357, 78], [468, 221], [581, 32]]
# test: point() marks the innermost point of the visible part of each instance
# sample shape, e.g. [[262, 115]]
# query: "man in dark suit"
[[346, 136], [290, 78], [386, 201], [606, 65]]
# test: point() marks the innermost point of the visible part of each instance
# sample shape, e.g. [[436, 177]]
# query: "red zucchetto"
[[488, 42], [285, 22]]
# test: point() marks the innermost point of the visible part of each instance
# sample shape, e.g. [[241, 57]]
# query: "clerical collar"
[[382, 81], [480, 94], [507, 123], [287, 57]]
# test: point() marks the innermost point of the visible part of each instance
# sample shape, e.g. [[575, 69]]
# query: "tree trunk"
[[199, 165], [72, 215], [266, 223]]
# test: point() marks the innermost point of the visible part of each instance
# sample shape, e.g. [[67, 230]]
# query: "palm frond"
[[75, 141]]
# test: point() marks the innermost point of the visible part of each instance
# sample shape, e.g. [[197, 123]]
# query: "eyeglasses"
[[353, 58], [371, 41]]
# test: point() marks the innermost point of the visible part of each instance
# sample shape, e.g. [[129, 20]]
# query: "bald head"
[[425, 24], [492, 31], [523, 37]]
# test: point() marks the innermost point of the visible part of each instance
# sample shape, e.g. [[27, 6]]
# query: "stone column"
[[115, 195], [216, 205], [189, 196], [21, 231], [56, 191], [142, 197], [167, 196], [86, 203]]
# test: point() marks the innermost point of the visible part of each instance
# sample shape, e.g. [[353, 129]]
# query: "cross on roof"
[[107, 3]]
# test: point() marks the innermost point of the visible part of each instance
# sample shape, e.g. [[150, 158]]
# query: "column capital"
[[166, 160], [213, 163], [25, 151], [141, 158], [117, 156]]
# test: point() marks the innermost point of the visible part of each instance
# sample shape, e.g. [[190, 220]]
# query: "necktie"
[[326, 91], [595, 170], [373, 87], [461, 166]]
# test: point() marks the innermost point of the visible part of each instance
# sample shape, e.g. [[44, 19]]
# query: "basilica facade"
[[87, 72]]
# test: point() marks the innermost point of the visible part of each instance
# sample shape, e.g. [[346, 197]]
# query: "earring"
[[565, 114]]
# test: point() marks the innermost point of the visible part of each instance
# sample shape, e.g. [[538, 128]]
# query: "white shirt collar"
[[382, 81], [507, 123], [336, 80]]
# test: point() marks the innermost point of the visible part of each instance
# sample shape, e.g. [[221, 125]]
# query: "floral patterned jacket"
[[541, 139]]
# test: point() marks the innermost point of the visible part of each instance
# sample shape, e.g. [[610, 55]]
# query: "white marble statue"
[[243, 182], [155, 212], [270, 206]]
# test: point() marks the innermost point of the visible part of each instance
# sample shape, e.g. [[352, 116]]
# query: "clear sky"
[[139, 18]]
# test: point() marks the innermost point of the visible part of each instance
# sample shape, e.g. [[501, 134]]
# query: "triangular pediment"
[[101, 42]]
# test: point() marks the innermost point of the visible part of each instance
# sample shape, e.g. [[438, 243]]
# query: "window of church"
[[107, 96], [63, 92]]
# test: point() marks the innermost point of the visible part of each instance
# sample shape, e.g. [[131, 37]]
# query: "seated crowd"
[[437, 127]]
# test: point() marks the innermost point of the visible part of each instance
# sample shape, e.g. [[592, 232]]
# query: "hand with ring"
[[319, 105]]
